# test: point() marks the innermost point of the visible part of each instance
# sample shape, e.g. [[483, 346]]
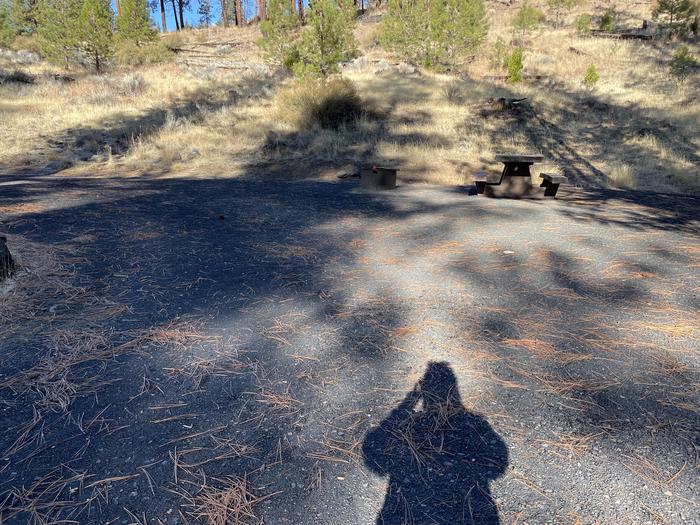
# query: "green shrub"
[[528, 17], [514, 66], [7, 33], [499, 54], [684, 64], [129, 54], [434, 34], [607, 21], [173, 41], [134, 23], [280, 34], [559, 7], [328, 37], [315, 102], [592, 77], [583, 24]]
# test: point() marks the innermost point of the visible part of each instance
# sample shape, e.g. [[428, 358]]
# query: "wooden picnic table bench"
[[516, 177]]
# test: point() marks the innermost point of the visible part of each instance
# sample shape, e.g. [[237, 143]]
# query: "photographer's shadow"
[[439, 457]]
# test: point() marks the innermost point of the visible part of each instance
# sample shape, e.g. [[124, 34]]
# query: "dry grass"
[[636, 129], [230, 503]]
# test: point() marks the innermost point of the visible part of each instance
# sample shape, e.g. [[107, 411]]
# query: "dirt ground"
[[245, 351]]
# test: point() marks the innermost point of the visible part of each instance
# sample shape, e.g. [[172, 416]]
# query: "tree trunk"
[[177, 24], [164, 27], [300, 10], [182, 19], [7, 265], [224, 13], [263, 10], [294, 6], [239, 13], [119, 8]]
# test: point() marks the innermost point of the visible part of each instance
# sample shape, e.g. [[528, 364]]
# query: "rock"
[[7, 264], [223, 50], [358, 64], [405, 69], [383, 66]]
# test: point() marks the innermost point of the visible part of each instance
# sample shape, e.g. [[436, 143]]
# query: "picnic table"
[[516, 179]]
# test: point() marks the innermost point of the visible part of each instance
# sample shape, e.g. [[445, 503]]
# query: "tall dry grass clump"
[[316, 103]]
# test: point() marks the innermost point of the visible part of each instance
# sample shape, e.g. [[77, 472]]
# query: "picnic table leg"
[[480, 186], [550, 188], [515, 169]]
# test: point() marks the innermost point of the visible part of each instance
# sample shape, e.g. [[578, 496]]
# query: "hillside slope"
[[214, 112]]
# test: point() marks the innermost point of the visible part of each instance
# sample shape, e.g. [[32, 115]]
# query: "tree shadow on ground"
[[439, 457]]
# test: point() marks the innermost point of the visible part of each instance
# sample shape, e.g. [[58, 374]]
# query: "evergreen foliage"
[[95, 32], [559, 7], [59, 29], [514, 66], [328, 38], [76, 31], [23, 16], [676, 15], [607, 21], [134, 23], [684, 64], [583, 24], [280, 31], [7, 33], [434, 34], [528, 18], [592, 77]]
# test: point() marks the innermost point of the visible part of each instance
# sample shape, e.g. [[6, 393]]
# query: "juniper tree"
[[134, 22]]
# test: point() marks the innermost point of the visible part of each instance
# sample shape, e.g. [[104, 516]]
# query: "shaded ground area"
[[192, 351]]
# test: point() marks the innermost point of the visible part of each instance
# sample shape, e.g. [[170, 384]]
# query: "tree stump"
[[378, 178], [7, 265]]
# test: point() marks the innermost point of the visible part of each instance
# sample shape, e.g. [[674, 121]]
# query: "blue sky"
[[190, 14]]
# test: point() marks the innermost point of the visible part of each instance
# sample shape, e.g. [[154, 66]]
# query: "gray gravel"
[[415, 356]]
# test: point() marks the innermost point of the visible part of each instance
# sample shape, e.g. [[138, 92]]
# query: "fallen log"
[[621, 36], [7, 264]]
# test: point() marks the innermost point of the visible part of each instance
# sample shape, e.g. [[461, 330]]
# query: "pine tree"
[[328, 38], [434, 33], [224, 13], [134, 23], [204, 12], [676, 15], [95, 30], [59, 29], [279, 31], [239, 13]]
